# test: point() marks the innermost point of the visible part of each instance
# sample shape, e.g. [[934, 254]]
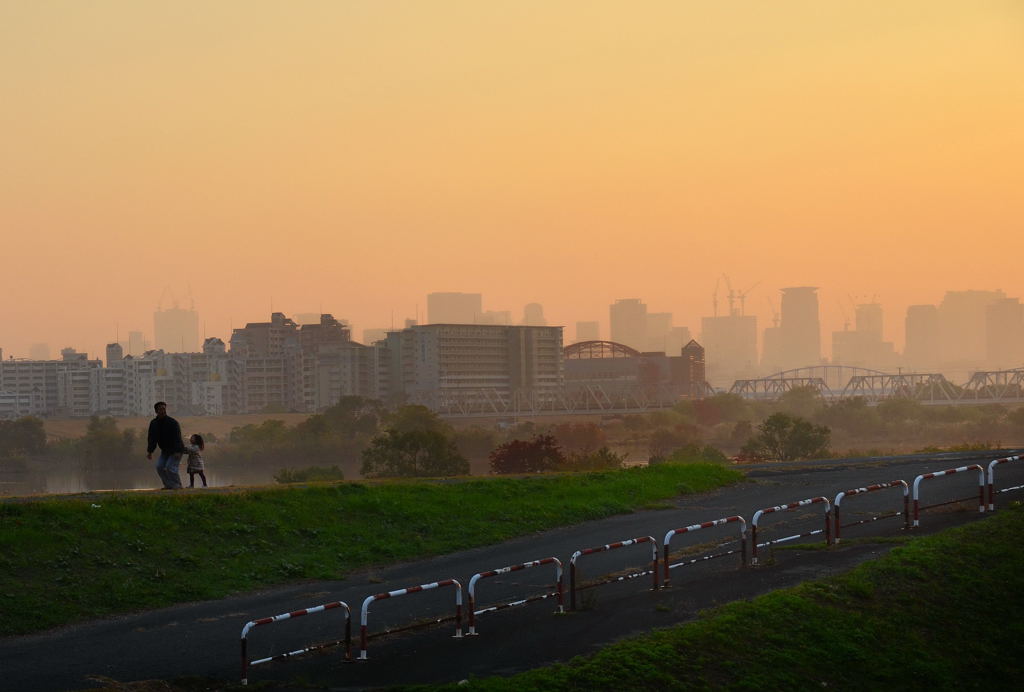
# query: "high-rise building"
[[800, 328], [962, 335], [307, 368], [136, 344], [863, 346], [533, 315], [176, 330], [628, 322], [39, 352], [1004, 329], [439, 365], [731, 343], [39, 385], [115, 353], [678, 337], [869, 319], [588, 331], [921, 351], [454, 308], [659, 326]]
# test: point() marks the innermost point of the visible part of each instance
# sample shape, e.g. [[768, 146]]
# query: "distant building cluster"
[[467, 356]]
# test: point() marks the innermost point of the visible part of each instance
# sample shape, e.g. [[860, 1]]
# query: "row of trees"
[[102, 443]]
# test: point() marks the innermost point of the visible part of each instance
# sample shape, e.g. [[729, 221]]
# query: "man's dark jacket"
[[165, 433]]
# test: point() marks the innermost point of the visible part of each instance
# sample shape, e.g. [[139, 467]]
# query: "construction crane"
[[734, 296]]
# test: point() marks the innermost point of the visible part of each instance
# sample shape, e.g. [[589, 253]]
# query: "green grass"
[[940, 613], [137, 551]]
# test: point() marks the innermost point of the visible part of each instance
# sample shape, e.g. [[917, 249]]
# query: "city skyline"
[[380, 151], [969, 335]]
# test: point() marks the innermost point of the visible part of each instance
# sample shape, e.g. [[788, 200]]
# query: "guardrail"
[[667, 565], [948, 472], [506, 570], [403, 592], [991, 480], [246, 663], [870, 489], [665, 583], [611, 546], [754, 545]]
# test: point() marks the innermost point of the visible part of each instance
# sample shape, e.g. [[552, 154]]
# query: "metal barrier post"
[[611, 546], [785, 508], [246, 663], [948, 472], [665, 582], [505, 570], [991, 480], [402, 592], [869, 489]]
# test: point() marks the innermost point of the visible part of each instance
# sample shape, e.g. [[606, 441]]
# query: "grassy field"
[[941, 613], [130, 551]]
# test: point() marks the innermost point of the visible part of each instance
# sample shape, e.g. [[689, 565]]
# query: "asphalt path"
[[202, 639]]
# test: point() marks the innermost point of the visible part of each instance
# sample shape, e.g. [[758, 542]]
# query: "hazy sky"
[[357, 155]]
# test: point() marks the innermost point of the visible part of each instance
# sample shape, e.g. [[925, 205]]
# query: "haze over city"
[[353, 157]]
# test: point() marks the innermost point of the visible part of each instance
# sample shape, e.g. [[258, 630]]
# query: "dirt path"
[[202, 639]]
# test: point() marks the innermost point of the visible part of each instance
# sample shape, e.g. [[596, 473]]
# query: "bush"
[[536, 455], [786, 438], [24, 436], [693, 453], [599, 460], [412, 454]]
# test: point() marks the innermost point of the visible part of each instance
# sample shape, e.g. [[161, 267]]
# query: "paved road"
[[202, 639]]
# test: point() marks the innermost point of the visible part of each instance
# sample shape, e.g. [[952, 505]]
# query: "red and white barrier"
[[402, 592], [612, 546], [246, 663], [697, 527], [948, 472], [506, 570], [871, 489], [991, 480], [754, 545]]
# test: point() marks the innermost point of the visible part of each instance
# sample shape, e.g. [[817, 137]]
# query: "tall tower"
[[962, 317], [587, 331], [1004, 329], [921, 351], [176, 330], [533, 315], [628, 318], [801, 328]]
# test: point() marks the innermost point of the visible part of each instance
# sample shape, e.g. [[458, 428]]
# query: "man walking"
[[165, 433]]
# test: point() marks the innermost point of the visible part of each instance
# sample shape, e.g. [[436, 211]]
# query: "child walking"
[[195, 448]]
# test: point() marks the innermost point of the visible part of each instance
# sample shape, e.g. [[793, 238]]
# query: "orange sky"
[[357, 155]]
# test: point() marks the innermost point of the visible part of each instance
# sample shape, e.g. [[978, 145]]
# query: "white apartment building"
[[38, 382]]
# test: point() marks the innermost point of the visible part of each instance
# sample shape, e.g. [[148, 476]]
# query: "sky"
[[352, 157]]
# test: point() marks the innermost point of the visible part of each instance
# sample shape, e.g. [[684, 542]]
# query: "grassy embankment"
[[131, 551], [943, 612]]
